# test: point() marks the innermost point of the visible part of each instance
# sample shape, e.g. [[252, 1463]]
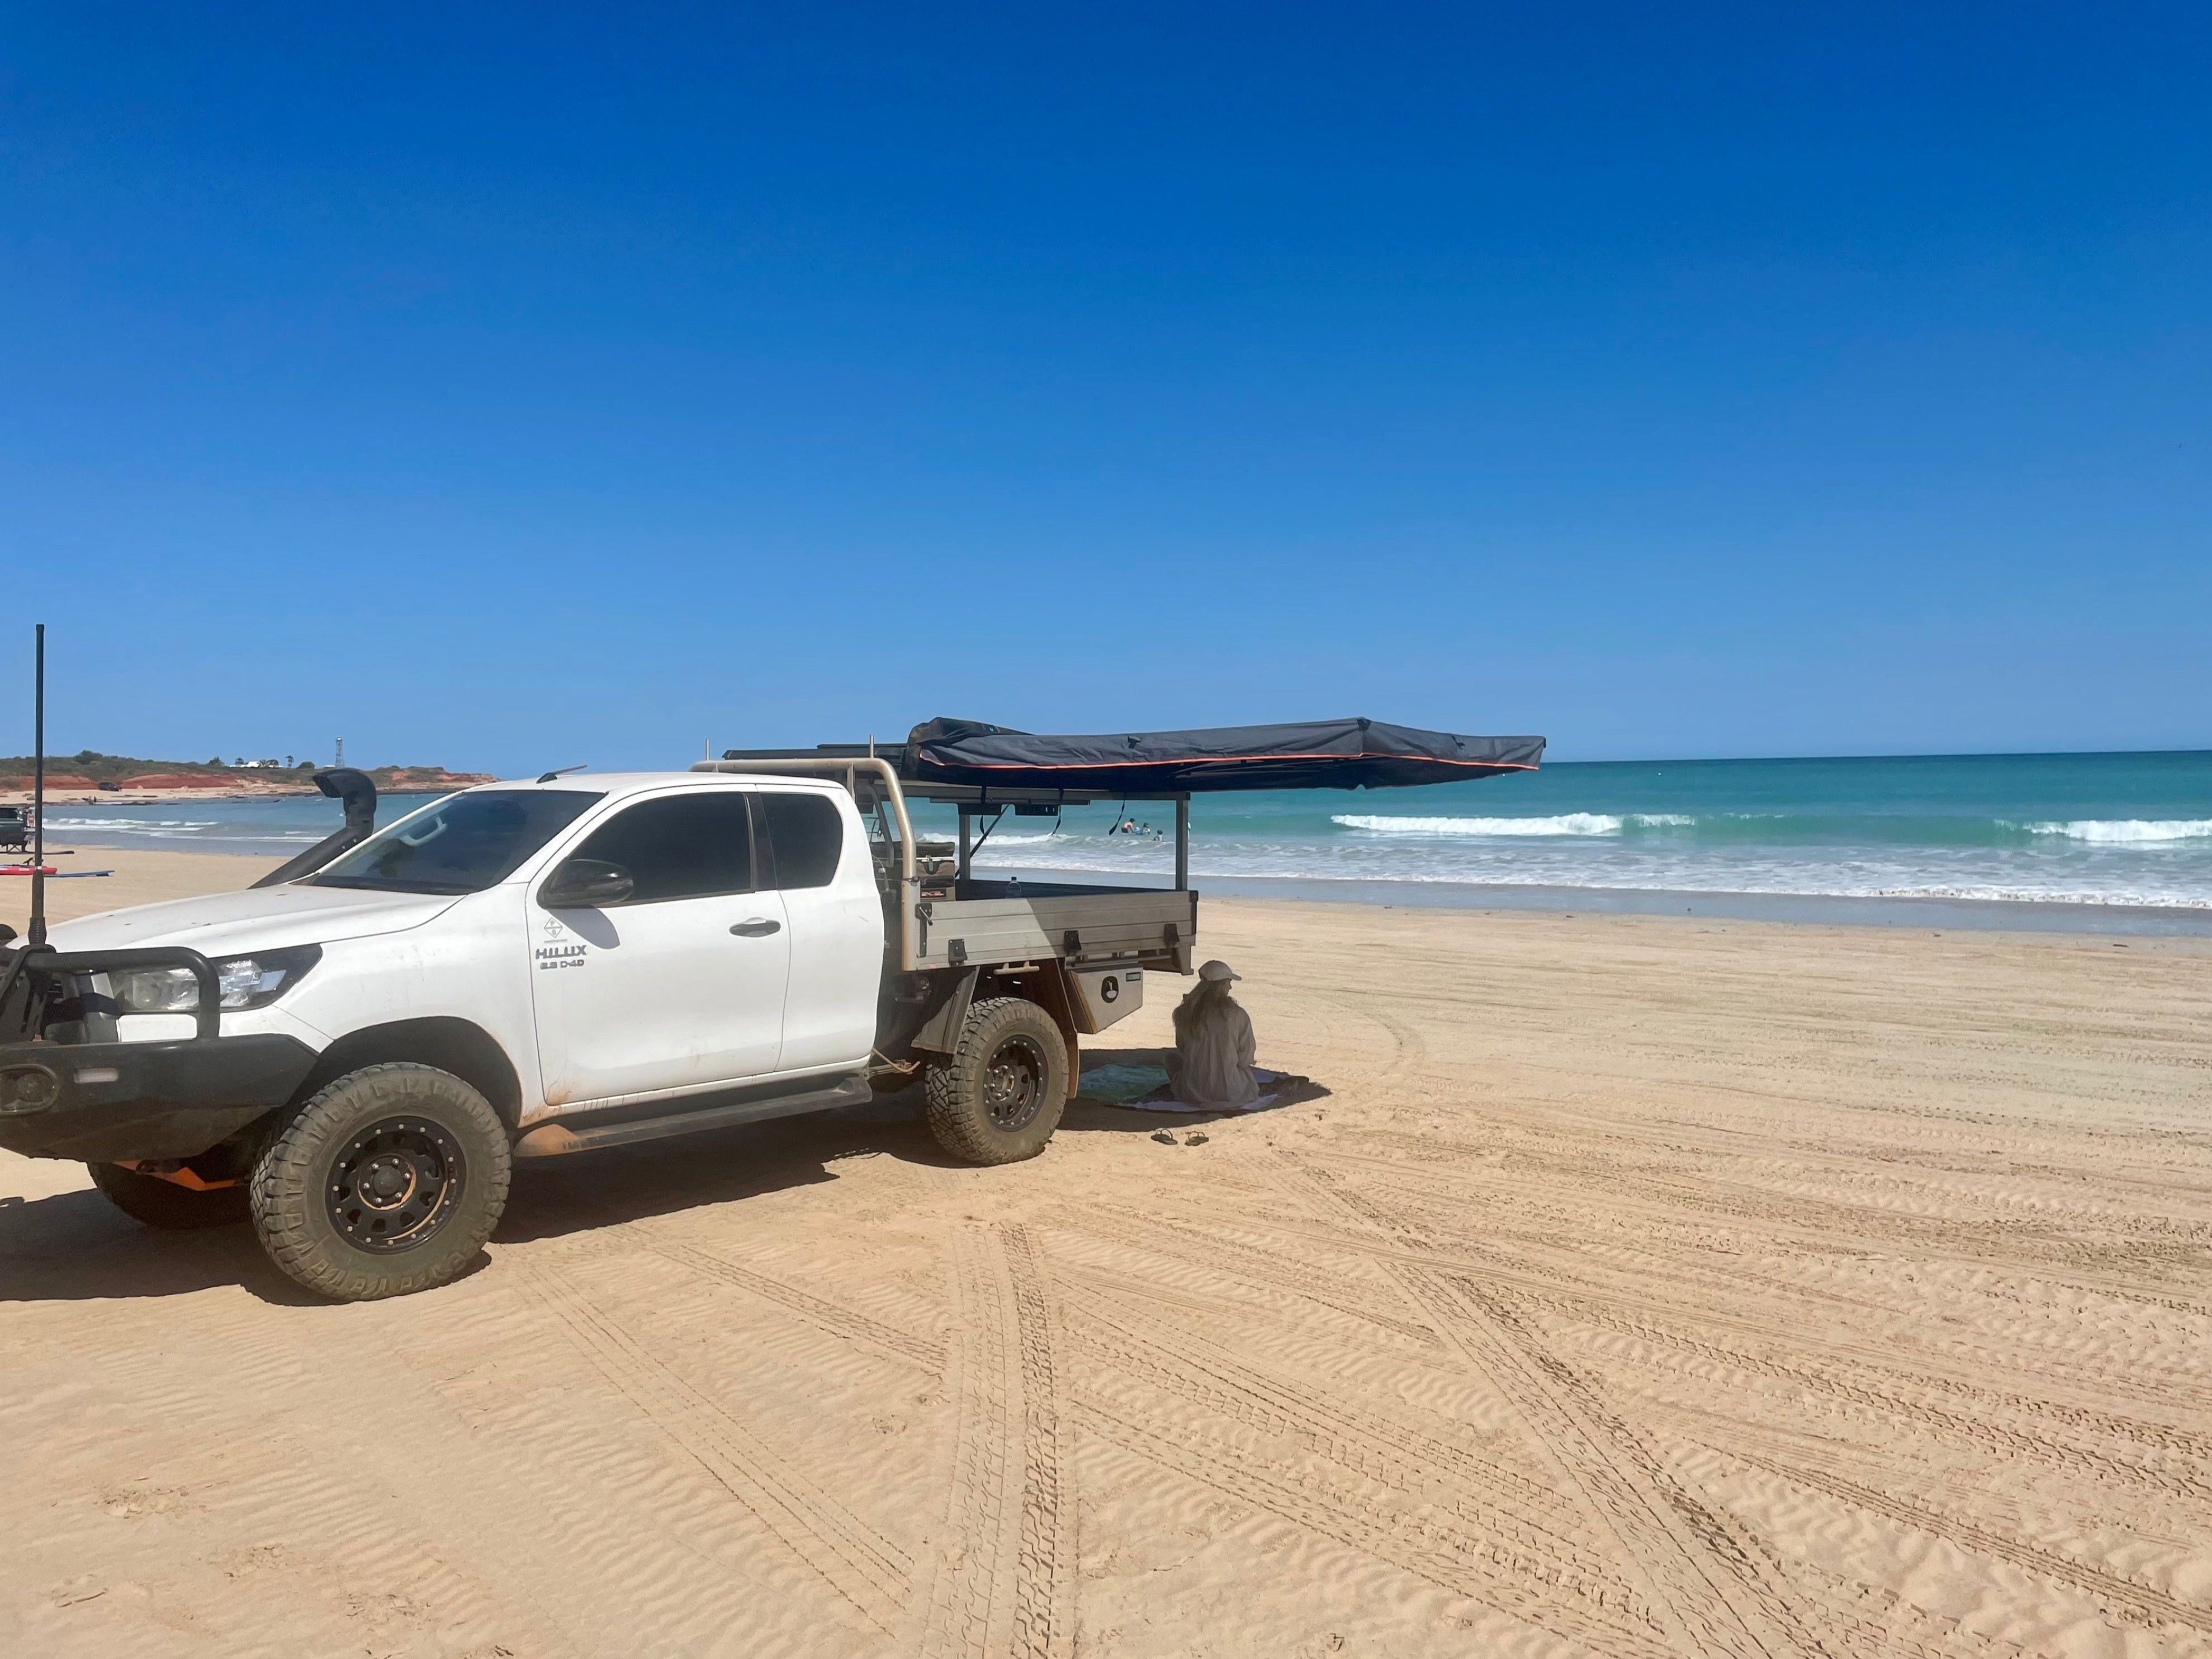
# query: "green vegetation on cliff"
[[118, 769]]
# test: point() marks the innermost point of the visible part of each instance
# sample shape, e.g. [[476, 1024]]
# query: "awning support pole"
[[1182, 843], [967, 845]]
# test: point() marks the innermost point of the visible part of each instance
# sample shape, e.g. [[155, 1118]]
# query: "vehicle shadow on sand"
[[554, 1196], [77, 1247]]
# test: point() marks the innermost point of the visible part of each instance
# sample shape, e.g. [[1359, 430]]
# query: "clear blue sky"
[[510, 387]]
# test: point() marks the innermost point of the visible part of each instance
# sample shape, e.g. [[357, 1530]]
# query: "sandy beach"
[[136, 877], [1642, 1286]]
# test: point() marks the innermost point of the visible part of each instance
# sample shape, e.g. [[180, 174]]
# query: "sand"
[[139, 877], [1644, 1287]]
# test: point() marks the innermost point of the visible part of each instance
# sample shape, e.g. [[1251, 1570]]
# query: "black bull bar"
[[117, 1102]]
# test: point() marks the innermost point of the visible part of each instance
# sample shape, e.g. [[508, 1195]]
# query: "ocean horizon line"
[[1927, 755]]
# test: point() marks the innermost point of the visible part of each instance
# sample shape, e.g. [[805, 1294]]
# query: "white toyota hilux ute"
[[353, 1058]]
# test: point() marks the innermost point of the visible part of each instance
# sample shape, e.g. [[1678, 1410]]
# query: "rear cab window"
[[803, 840]]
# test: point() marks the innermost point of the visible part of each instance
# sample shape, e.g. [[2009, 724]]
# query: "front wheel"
[[388, 1181], [999, 1097]]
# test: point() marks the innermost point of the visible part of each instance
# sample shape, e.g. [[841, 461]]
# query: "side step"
[[690, 1116]]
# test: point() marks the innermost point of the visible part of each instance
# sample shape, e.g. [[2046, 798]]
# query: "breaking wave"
[[1567, 824], [57, 821], [2128, 832]]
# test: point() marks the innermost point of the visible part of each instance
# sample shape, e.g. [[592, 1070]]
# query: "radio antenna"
[[39, 793]]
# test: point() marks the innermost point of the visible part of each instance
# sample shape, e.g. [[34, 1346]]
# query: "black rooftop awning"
[[1344, 754]]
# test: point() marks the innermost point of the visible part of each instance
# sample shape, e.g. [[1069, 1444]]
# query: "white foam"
[[2129, 832], [1569, 824], [54, 821], [1662, 820]]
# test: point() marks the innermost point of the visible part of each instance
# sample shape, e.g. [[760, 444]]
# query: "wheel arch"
[[1045, 985], [447, 1042]]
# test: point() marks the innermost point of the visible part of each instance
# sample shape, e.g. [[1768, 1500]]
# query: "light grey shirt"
[[1216, 1059]]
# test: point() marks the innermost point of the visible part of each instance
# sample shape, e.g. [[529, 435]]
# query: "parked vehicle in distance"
[[14, 829]]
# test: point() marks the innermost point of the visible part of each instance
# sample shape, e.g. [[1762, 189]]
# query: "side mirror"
[[586, 884]]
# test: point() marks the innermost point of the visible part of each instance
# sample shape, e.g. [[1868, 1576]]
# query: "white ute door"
[[814, 853], [682, 985]]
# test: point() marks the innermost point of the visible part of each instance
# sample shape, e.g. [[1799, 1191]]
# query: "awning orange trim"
[[1217, 760]]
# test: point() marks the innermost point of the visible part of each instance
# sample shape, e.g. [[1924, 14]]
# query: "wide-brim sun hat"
[[1218, 970]]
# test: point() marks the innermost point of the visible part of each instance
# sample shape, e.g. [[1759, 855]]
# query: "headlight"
[[253, 982], [154, 990]]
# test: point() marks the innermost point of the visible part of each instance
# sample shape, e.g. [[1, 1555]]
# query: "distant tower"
[[340, 761]]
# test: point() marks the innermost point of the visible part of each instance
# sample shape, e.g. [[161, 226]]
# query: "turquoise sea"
[[2115, 830]]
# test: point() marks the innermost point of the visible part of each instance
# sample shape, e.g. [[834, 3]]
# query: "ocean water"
[[2054, 829], [2102, 829], [263, 829]]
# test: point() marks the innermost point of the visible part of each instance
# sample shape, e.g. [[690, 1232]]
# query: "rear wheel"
[[999, 1097], [160, 1203], [388, 1181]]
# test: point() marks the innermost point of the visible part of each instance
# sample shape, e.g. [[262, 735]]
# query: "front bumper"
[[108, 1103]]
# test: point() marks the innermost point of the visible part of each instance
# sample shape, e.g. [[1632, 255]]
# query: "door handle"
[[758, 927]]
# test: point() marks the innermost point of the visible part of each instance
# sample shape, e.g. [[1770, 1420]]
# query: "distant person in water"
[[1214, 1046]]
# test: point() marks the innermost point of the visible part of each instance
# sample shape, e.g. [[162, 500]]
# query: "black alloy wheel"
[[1014, 1083], [998, 1096], [395, 1184], [387, 1180]]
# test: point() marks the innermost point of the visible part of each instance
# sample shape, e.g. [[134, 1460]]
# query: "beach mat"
[[1118, 1085], [1145, 1089]]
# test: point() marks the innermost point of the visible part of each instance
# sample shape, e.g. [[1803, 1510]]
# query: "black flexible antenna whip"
[[38, 794]]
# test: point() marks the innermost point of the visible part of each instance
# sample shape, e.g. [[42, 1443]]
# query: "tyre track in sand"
[[867, 1570], [1712, 1594], [1194, 1366], [1484, 1570], [1540, 1270], [2070, 1426], [1409, 1049], [2139, 1604], [1001, 1581], [1427, 1506], [1176, 1241], [907, 1347]]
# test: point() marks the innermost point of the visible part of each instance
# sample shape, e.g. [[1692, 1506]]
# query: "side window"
[[806, 838], [681, 847]]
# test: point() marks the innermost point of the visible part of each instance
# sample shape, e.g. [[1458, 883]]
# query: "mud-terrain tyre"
[[164, 1204], [386, 1182], [998, 1098]]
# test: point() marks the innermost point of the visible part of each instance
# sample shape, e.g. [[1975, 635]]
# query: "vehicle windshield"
[[464, 844]]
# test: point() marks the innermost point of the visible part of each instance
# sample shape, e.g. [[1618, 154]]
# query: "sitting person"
[[1214, 1046]]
